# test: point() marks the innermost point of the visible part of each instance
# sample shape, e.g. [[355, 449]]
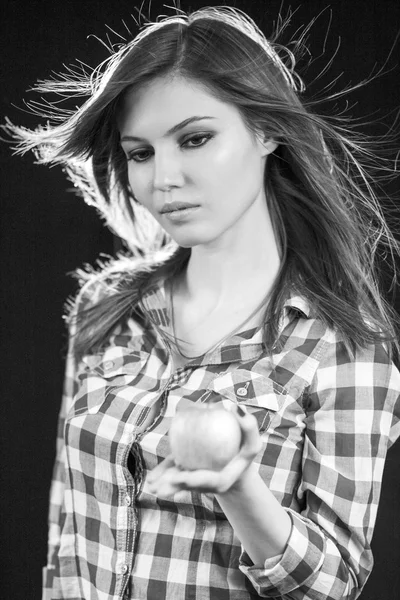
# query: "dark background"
[[47, 231]]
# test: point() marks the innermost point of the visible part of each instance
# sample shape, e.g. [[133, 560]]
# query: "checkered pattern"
[[325, 421]]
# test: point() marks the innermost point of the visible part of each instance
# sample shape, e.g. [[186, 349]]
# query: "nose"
[[167, 170]]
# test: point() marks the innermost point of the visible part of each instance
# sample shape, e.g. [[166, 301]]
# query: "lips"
[[182, 214], [174, 206]]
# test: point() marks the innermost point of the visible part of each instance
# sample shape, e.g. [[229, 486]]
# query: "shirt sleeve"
[[352, 418], [56, 505]]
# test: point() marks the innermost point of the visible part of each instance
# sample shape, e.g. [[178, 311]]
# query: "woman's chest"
[[114, 410], [121, 400]]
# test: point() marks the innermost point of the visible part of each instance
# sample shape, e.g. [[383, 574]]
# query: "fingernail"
[[241, 411]]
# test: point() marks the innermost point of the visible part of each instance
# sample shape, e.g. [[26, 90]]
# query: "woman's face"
[[213, 162]]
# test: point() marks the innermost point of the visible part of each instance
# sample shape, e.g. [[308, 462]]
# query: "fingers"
[[173, 480], [158, 471], [165, 487], [165, 483], [200, 480]]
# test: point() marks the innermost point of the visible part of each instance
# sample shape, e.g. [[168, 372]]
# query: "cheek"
[[140, 183], [134, 178], [235, 172], [234, 160]]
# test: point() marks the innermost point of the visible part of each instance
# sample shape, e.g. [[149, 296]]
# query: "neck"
[[242, 263]]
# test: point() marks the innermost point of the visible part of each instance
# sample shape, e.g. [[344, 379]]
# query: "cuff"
[[47, 582], [302, 557], [269, 563]]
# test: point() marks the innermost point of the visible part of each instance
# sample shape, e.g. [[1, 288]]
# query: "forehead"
[[165, 101]]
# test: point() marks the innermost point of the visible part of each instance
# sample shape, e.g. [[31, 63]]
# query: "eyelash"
[[207, 136]]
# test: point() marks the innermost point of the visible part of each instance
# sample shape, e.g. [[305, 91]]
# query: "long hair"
[[325, 212]]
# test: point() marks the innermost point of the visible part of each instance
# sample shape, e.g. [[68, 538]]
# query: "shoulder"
[[324, 358], [342, 378], [327, 342]]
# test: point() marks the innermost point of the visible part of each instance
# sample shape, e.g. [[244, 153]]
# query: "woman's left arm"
[[259, 521], [353, 416]]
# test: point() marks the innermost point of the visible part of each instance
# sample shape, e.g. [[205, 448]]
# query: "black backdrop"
[[48, 231]]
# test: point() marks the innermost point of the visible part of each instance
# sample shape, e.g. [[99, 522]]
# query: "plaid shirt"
[[326, 422]]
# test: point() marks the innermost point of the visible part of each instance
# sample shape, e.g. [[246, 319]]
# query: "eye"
[[136, 156], [203, 138]]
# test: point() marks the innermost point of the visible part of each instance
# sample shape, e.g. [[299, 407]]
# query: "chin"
[[187, 243], [190, 239], [195, 244]]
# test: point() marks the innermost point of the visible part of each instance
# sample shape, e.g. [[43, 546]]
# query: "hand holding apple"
[[209, 476], [204, 436]]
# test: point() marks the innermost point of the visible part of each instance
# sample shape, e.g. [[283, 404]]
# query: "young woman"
[[251, 229]]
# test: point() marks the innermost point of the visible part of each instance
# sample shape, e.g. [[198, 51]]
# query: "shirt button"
[[127, 500], [123, 569], [108, 365]]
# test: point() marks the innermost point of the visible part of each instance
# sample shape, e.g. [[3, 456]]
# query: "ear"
[[267, 145]]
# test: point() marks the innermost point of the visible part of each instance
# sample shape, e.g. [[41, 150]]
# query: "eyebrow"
[[174, 129]]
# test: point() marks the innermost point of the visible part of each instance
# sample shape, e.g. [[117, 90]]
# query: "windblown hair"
[[326, 215]]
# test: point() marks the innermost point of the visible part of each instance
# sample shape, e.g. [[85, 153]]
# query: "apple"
[[204, 436]]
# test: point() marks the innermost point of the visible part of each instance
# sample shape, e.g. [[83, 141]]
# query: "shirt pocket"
[[108, 378], [260, 395]]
